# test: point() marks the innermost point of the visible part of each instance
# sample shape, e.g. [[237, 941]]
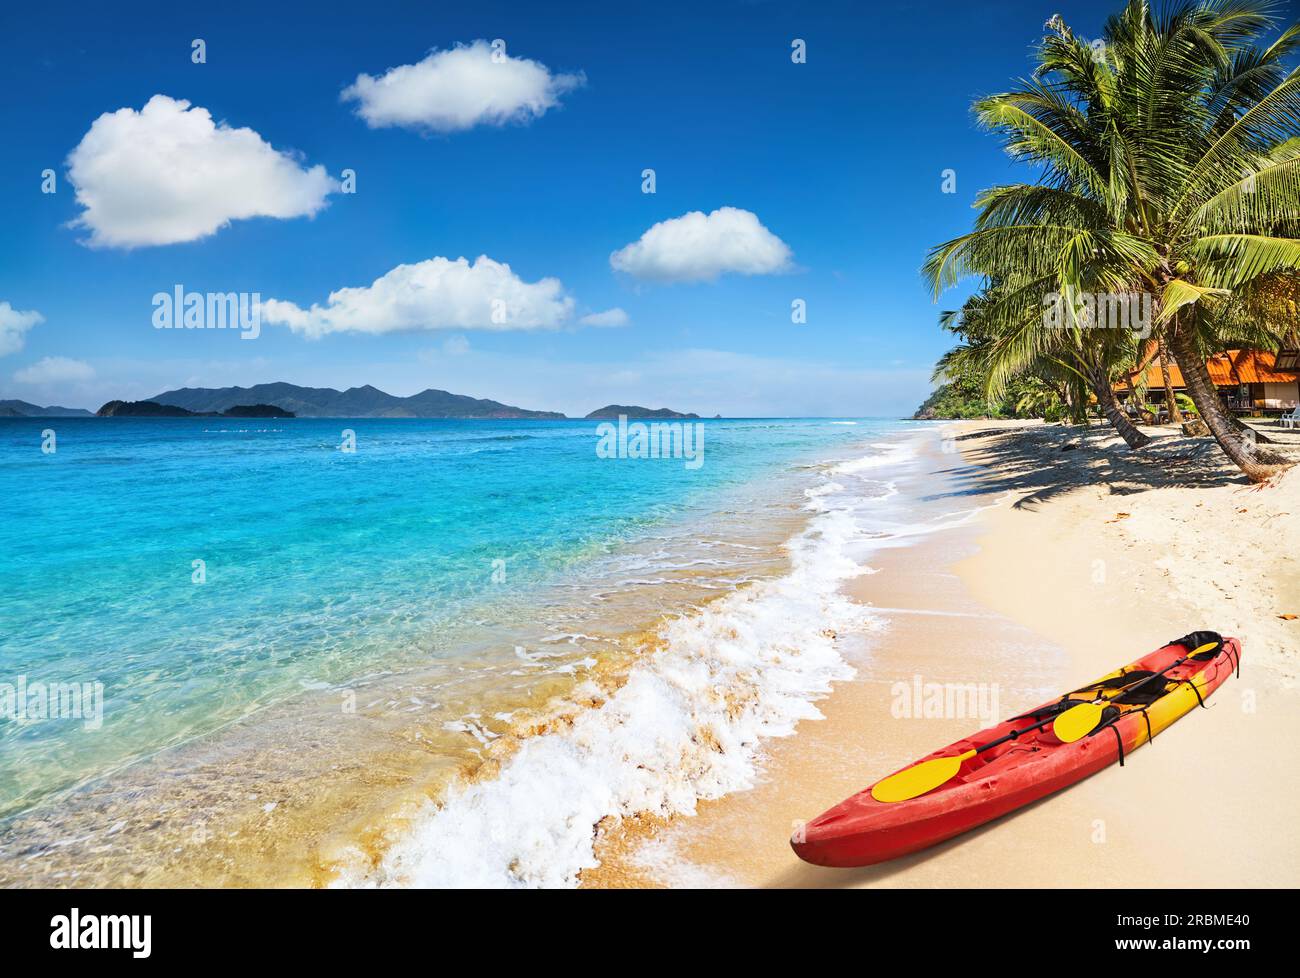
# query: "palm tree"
[[1171, 404], [1169, 167], [1005, 339]]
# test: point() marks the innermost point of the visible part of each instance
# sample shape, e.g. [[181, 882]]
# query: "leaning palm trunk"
[[1175, 415], [1248, 432], [1168, 157], [1114, 411], [1076, 408], [1236, 440]]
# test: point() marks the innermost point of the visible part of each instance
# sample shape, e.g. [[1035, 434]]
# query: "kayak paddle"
[[928, 775], [1079, 721]]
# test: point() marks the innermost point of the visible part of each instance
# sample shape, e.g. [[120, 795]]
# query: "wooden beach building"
[[1250, 382]]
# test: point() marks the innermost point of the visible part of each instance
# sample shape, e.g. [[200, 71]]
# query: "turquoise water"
[[319, 565]]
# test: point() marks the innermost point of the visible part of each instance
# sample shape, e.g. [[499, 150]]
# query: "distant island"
[[355, 402], [283, 400], [257, 411], [613, 412], [22, 409], [152, 409]]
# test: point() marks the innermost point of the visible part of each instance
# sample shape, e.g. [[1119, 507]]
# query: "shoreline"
[[996, 602], [742, 839], [686, 723], [233, 808], [975, 555]]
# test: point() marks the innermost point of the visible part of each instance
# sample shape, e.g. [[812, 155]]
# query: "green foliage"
[[1166, 162], [959, 400], [964, 396]]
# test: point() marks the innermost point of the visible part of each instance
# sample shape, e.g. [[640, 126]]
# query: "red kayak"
[[1020, 760]]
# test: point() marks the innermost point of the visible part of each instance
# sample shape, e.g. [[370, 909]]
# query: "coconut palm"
[[1005, 339], [1168, 157], [1171, 402]]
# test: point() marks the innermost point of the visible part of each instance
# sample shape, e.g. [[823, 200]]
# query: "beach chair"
[[1291, 420]]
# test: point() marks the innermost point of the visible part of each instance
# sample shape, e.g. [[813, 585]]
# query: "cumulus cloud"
[[52, 370], [14, 324], [610, 317], [698, 247], [434, 294], [459, 88], [168, 173]]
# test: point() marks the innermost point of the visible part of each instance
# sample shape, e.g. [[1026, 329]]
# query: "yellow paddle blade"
[[1077, 722], [919, 778], [1204, 648]]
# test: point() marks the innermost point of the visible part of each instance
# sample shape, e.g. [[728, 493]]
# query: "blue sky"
[[840, 158]]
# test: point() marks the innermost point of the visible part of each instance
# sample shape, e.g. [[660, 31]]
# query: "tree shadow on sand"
[[1041, 464]]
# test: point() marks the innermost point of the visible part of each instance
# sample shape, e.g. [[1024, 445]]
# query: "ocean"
[[409, 652]]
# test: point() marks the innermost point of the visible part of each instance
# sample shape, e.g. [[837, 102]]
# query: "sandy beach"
[[1082, 557]]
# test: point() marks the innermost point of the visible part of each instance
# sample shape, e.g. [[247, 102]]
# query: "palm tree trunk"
[[1138, 406], [1110, 406], [1079, 399], [1250, 432], [1236, 440], [1175, 415], [1062, 394]]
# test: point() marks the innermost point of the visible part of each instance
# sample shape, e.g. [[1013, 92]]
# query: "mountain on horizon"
[[355, 402], [23, 409], [614, 411], [152, 409]]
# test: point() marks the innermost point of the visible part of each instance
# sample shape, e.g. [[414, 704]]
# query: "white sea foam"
[[686, 725], [662, 861], [825, 489], [818, 501], [572, 638], [887, 453]]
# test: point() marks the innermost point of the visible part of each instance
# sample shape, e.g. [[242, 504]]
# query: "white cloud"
[[458, 89], [14, 325], [55, 370], [437, 293], [131, 379], [168, 173], [698, 247], [610, 317]]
